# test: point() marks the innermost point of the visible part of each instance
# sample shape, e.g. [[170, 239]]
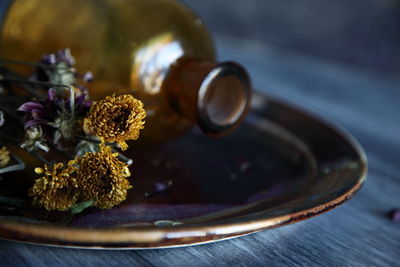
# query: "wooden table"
[[356, 233]]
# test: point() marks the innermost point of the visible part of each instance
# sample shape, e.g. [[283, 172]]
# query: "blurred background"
[[360, 33], [341, 60]]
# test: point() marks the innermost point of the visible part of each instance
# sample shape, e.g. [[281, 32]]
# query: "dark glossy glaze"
[[281, 166]]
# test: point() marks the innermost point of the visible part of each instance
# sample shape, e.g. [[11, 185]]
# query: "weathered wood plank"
[[357, 233]]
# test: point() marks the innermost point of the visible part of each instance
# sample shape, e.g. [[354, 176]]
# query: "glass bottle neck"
[[216, 96]]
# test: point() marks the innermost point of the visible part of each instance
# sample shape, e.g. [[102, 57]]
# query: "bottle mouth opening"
[[225, 101], [223, 98]]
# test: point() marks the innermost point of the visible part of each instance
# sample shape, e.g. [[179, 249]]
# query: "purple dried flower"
[[65, 56], [61, 56], [60, 68], [41, 112], [56, 116], [81, 102]]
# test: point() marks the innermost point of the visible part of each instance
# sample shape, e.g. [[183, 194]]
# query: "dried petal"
[[51, 94], [30, 106], [101, 176], [34, 139], [57, 188], [55, 115], [60, 71], [117, 119]]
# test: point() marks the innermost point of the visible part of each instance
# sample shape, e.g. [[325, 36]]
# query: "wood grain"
[[358, 233]]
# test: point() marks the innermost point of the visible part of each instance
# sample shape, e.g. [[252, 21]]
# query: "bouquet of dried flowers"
[[58, 115]]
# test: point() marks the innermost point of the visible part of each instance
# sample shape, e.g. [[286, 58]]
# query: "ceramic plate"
[[281, 166]]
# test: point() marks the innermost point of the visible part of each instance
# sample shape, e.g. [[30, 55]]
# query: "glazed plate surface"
[[281, 166]]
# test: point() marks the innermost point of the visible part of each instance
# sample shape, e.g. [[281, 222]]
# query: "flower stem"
[[72, 101], [16, 167], [42, 147], [30, 63], [84, 138], [17, 80], [121, 156], [41, 158], [16, 142], [8, 112], [124, 158], [13, 77]]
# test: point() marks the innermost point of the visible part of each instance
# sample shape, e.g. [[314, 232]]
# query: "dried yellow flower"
[[4, 157], [102, 177], [56, 189], [117, 119]]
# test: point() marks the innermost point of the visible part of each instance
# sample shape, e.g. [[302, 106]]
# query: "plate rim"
[[184, 234]]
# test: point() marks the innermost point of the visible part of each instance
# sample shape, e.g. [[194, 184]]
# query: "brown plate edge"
[[183, 235], [25, 233]]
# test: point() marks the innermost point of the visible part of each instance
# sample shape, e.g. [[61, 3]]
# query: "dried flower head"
[[57, 116], [34, 139], [56, 189], [60, 68], [4, 157], [102, 177], [117, 119]]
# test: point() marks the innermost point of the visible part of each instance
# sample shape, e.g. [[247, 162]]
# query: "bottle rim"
[[223, 98]]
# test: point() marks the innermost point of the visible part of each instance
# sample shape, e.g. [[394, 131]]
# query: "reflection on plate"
[[281, 166]]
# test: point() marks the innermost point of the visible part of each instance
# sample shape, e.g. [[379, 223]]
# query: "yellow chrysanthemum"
[[57, 188], [117, 119], [102, 177], [4, 157]]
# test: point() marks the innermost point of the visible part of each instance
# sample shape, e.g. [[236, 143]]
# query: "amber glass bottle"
[[157, 50]]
